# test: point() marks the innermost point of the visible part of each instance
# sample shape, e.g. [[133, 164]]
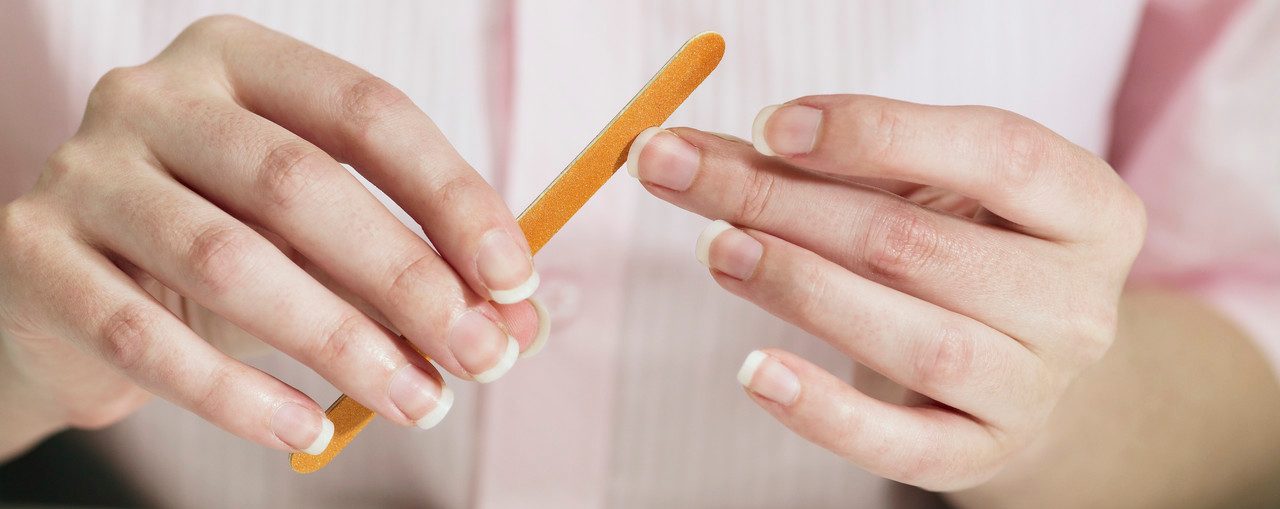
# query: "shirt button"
[[561, 294]]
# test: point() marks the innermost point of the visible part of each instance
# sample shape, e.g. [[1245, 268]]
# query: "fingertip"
[[521, 321], [505, 267], [504, 364], [322, 440], [302, 428], [483, 345], [769, 378], [749, 367], [441, 409], [543, 332], [788, 130], [519, 293], [702, 250], [637, 146], [758, 130]]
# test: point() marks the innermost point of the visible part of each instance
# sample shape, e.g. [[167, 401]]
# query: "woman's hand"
[[203, 191], [966, 253]]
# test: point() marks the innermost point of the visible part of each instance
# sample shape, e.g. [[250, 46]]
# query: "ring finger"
[[946, 356], [108, 315]]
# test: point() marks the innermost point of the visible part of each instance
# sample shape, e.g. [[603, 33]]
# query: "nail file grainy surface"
[[568, 193]]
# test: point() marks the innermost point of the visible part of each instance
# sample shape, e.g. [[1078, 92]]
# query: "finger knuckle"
[[457, 191], [808, 296], [20, 224], [215, 26], [757, 196], [25, 235], [336, 347], [850, 433], [221, 256], [65, 163], [289, 171], [212, 400], [1021, 144], [125, 336], [945, 361], [878, 130], [405, 288], [902, 244], [122, 88], [369, 102]]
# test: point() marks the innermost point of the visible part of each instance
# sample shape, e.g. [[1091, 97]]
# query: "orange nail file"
[[568, 193]]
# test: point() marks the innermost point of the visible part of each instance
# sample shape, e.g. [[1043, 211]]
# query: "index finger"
[[1019, 170]]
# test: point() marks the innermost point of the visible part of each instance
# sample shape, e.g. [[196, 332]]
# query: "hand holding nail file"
[[568, 193]]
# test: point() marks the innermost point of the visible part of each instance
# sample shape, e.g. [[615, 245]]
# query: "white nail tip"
[[544, 330], [443, 404], [519, 293], [749, 367], [322, 440], [504, 364], [757, 130], [637, 146], [708, 235]]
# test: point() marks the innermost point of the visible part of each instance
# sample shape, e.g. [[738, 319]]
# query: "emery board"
[[567, 193]]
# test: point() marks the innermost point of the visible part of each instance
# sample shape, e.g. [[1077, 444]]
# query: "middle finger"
[[960, 265], [951, 358]]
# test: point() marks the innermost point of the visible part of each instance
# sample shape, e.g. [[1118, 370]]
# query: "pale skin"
[[973, 259], [202, 203], [976, 262]]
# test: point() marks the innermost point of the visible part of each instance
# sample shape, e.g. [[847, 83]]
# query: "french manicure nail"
[[769, 378], [703, 248], [544, 330], [661, 158], [788, 130], [482, 348], [505, 268], [437, 414], [302, 428], [420, 397], [637, 146], [736, 254]]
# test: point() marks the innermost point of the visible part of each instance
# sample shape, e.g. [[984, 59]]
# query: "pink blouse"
[[634, 403]]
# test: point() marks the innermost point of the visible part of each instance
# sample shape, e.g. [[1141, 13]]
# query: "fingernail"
[[766, 376], [302, 428], [420, 397], [505, 268], [736, 253], [788, 130], [481, 347], [661, 158], [544, 330]]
